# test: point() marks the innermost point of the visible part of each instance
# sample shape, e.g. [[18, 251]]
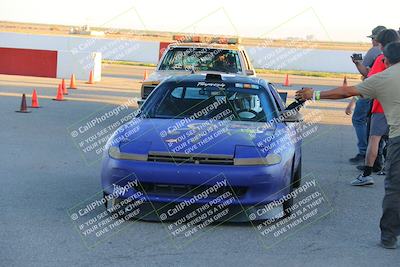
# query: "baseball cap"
[[376, 31]]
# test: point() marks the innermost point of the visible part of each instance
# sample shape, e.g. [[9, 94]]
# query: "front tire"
[[289, 203], [297, 176], [296, 182]]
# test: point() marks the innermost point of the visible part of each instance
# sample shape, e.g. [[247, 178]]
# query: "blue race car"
[[205, 141]]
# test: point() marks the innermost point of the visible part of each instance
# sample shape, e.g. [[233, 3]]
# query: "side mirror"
[[283, 96], [250, 72], [291, 116]]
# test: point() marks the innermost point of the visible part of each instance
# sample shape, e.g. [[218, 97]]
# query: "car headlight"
[[115, 153], [270, 159]]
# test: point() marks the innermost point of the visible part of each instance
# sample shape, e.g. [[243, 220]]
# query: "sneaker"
[[357, 159], [388, 244], [382, 172], [361, 180]]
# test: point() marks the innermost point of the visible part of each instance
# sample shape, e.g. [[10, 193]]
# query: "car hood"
[[196, 137]]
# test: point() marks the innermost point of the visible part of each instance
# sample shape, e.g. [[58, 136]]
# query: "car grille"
[[191, 159], [147, 89], [179, 190]]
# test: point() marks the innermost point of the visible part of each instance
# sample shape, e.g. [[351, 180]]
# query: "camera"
[[357, 56]]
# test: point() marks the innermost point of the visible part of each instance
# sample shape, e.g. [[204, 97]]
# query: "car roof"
[[226, 78], [207, 45]]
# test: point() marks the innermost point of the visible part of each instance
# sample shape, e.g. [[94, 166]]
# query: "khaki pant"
[[390, 221]]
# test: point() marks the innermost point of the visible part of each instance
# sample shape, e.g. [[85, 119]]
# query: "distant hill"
[[33, 28]]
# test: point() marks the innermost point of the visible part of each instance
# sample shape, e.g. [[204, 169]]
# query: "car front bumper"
[[258, 185]]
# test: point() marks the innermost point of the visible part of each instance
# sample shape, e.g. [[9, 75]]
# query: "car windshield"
[[204, 103], [202, 59]]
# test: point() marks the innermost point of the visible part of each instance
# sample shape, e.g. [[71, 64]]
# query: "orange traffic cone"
[[91, 81], [345, 81], [286, 81], [72, 83], [145, 75], [64, 88], [24, 108], [60, 96], [35, 101]]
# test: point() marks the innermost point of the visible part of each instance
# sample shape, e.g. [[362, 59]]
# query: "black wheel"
[[297, 176], [296, 182], [105, 203], [288, 203]]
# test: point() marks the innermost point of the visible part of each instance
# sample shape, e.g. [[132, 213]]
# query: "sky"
[[338, 20]]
